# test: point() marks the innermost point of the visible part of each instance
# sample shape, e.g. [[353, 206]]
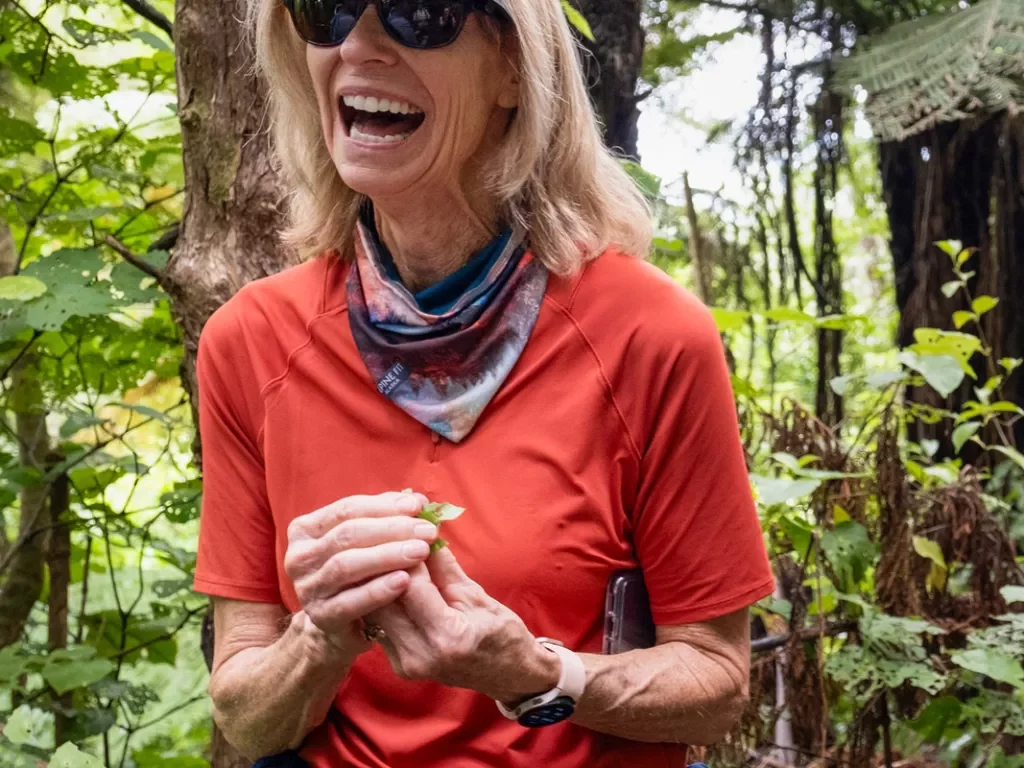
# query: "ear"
[[508, 95]]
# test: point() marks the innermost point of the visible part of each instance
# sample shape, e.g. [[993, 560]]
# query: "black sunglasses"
[[413, 23]]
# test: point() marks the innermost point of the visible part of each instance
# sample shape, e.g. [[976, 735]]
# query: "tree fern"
[[942, 68]]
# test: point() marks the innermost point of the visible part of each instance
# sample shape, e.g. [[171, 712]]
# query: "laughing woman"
[[474, 323]]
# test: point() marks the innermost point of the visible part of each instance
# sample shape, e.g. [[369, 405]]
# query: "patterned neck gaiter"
[[444, 368]]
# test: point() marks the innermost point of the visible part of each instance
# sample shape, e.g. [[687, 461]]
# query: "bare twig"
[[148, 12], [125, 253]]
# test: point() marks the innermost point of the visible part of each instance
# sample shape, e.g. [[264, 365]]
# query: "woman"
[[475, 325]]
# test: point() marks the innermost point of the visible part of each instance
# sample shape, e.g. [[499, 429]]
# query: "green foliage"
[[942, 68]]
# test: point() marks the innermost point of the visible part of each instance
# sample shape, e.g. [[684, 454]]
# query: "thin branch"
[[147, 11], [125, 252]]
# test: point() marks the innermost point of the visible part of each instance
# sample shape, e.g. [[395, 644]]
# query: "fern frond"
[[942, 68]]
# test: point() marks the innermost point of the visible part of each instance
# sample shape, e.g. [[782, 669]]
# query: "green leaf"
[[942, 372], [840, 384], [70, 756], [776, 490], [66, 677], [949, 289], [928, 549], [730, 319], [984, 304], [883, 379], [961, 346], [798, 532], [962, 318], [963, 433], [1011, 453], [578, 20], [951, 248], [21, 288], [1012, 594], [30, 727], [991, 663], [937, 717], [786, 315]]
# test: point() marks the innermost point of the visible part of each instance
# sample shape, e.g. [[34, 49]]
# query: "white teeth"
[[370, 138], [375, 104]]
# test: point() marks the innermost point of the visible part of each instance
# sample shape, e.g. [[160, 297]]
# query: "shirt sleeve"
[[696, 529], [236, 556]]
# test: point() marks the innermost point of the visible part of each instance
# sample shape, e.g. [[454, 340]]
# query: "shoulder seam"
[[604, 376], [277, 380]]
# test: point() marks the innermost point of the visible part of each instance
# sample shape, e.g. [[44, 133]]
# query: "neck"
[[429, 242]]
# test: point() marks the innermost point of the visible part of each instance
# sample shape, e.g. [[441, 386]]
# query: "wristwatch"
[[559, 703]]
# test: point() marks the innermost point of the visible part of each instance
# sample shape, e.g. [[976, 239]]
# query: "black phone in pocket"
[[628, 624]]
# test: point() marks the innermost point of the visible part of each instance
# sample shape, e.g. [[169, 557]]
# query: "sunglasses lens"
[[424, 23], [325, 22]]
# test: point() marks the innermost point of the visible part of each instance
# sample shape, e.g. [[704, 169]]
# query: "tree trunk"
[[613, 68], [22, 567], [941, 185], [233, 196], [58, 563]]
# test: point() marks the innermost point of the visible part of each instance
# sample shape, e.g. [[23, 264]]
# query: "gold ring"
[[373, 632]]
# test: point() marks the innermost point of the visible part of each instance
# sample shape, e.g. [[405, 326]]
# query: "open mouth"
[[380, 121]]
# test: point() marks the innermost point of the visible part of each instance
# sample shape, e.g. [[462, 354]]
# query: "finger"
[[397, 626], [353, 566], [355, 603], [451, 581], [422, 601], [319, 523], [306, 556]]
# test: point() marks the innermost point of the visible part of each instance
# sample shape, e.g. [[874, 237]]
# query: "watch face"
[[558, 710]]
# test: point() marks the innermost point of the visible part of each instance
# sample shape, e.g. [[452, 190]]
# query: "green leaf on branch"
[[937, 717], [962, 318], [68, 676], [1012, 594], [787, 315], [963, 433], [984, 304], [951, 248], [960, 346], [1011, 453], [840, 384], [30, 727], [578, 20], [949, 289], [943, 373], [883, 379], [730, 319], [776, 490], [21, 288], [929, 550], [70, 756], [991, 663]]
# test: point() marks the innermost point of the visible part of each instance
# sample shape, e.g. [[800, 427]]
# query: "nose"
[[368, 42]]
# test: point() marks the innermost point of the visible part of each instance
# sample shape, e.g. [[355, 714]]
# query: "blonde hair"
[[552, 173]]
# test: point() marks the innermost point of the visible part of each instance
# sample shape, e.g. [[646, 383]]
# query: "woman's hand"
[[353, 557], [447, 629]]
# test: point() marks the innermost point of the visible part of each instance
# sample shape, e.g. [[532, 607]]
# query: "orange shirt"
[[612, 443]]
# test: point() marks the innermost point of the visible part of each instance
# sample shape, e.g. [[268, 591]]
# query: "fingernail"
[[395, 580], [415, 549], [424, 530]]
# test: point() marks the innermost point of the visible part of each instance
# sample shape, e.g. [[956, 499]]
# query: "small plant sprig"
[[438, 513]]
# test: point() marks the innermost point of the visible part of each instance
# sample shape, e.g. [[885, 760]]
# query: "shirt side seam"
[[604, 376]]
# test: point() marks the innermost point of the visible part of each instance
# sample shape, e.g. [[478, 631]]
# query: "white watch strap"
[[571, 682], [573, 679]]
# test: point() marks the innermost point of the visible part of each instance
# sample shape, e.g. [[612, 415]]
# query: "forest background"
[[857, 228]]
